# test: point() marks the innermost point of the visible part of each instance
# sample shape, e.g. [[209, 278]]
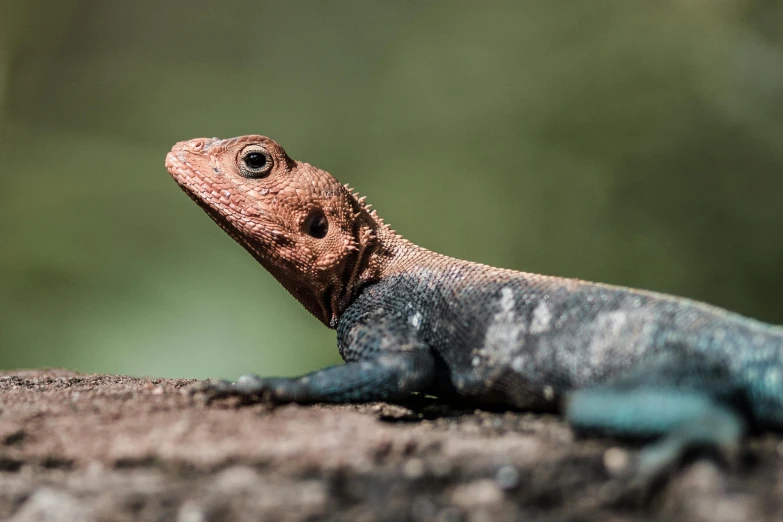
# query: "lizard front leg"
[[387, 377], [385, 362]]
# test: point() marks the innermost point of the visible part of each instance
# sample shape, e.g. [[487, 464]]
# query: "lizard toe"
[[250, 384], [212, 389]]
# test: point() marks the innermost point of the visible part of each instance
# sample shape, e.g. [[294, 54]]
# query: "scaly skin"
[[409, 320]]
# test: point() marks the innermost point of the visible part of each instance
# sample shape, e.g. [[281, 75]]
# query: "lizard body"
[[408, 320]]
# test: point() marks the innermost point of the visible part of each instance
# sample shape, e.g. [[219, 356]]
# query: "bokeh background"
[[634, 143]]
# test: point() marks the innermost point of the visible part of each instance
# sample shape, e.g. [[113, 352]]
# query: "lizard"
[[611, 359]]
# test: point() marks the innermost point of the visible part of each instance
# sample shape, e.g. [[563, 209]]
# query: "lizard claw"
[[250, 388], [212, 389], [250, 384]]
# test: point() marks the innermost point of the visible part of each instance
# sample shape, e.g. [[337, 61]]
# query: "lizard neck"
[[381, 252]]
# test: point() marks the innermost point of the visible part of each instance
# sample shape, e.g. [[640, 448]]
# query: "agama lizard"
[[614, 359]]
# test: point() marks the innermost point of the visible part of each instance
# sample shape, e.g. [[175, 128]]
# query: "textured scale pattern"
[[409, 320]]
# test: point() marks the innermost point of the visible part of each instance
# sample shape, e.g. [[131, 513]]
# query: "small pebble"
[[616, 460], [413, 468], [191, 512], [237, 478], [482, 492], [52, 505], [507, 477]]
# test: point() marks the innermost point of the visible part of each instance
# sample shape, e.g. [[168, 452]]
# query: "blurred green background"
[[634, 143]]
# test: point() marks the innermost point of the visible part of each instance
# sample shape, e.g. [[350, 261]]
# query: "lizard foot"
[[388, 377], [683, 423], [249, 388], [637, 478]]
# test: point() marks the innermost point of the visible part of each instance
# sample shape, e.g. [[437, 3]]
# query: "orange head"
[[312, 233]]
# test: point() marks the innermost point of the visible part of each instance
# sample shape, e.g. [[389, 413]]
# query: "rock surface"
[[101, 447]]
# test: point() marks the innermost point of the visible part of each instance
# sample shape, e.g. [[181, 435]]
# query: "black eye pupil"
[[255, 160], [317, 225]]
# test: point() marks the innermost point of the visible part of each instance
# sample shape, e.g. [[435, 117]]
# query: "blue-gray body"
[[526, 341]]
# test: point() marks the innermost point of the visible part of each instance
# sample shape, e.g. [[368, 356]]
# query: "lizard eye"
[[254, 162], [316, 224]]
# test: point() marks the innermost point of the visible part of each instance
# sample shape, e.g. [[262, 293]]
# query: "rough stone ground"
[[77, 447]]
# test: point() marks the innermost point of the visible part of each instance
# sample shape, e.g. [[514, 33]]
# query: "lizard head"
[[312, 233]]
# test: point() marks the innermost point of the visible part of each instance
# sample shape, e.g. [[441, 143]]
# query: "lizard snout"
[[185, 155], [195, 145]]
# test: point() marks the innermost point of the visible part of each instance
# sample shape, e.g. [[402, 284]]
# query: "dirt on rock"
[[76, 447]]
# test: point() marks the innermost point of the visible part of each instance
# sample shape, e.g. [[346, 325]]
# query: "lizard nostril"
[[196, 145]]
